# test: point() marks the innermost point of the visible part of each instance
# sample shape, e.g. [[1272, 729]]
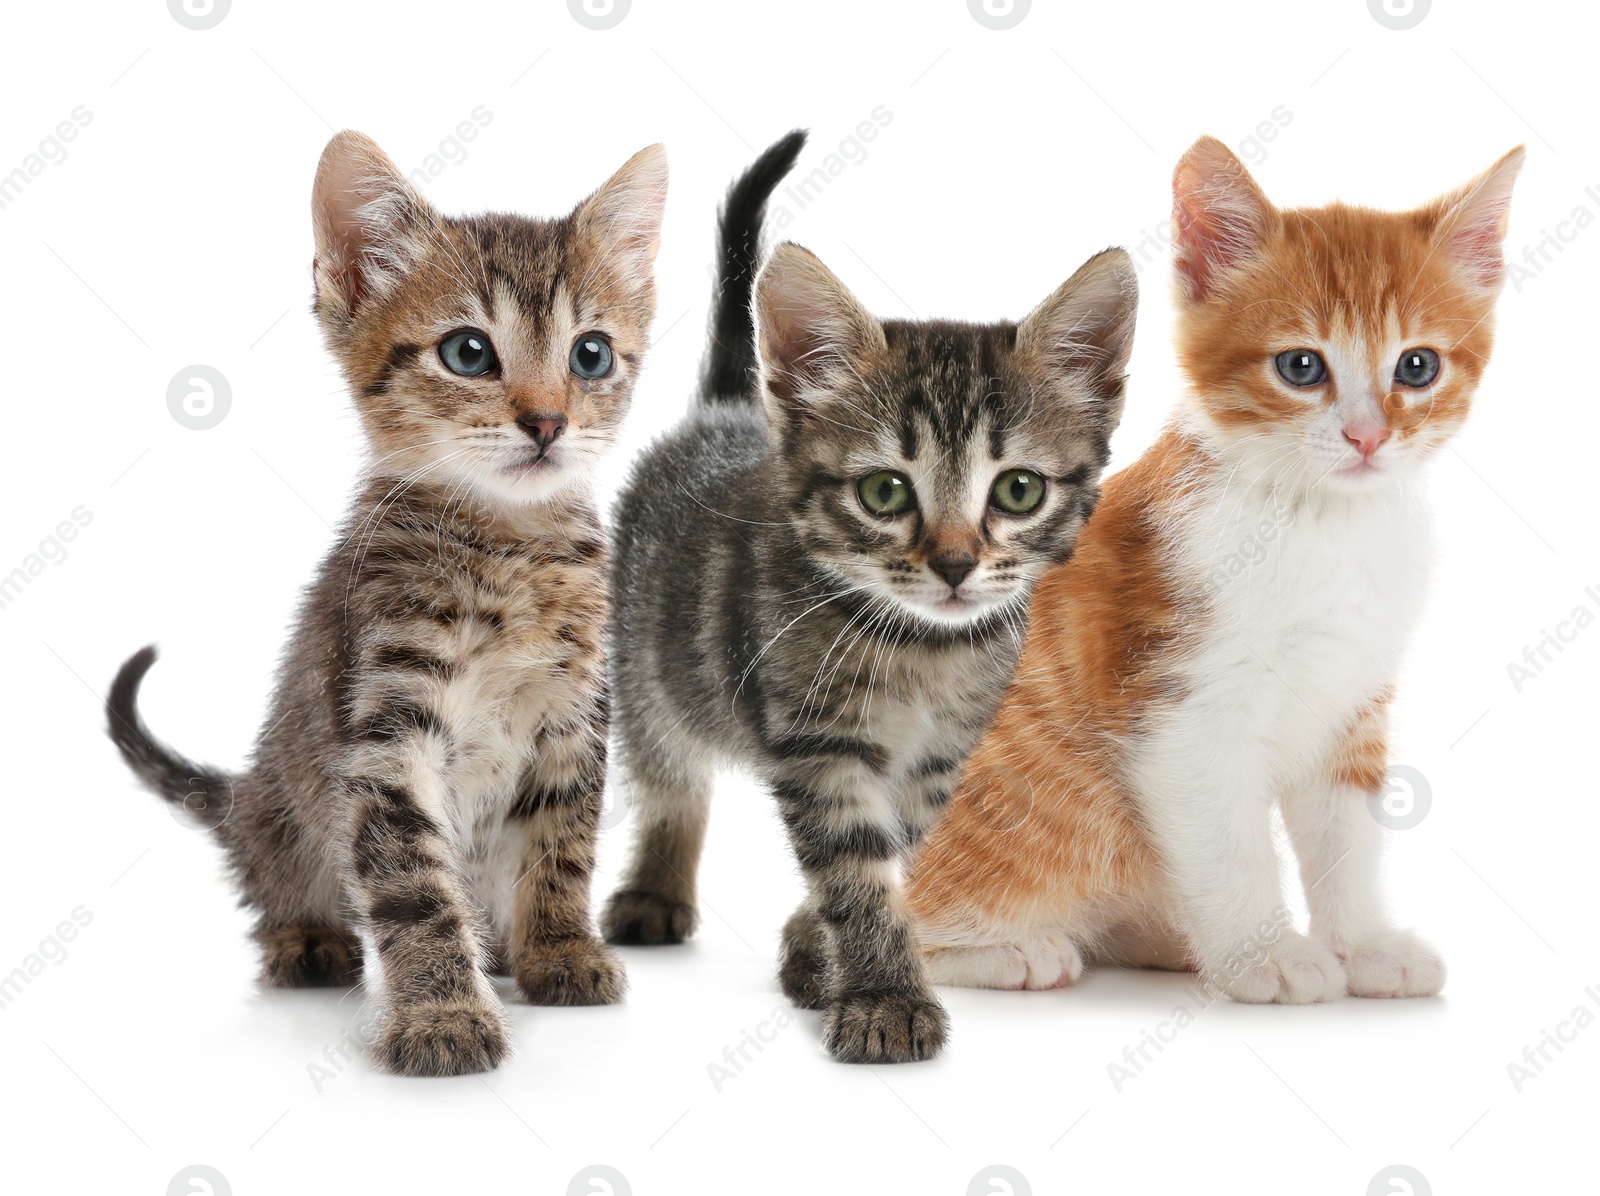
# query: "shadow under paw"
[[635, 917], [441, 1038], [580, 971]]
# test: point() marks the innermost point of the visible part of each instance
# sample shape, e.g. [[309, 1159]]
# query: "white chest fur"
[[1302, 605]]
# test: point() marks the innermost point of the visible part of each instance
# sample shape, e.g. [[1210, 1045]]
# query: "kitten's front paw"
[[900, 1028], [635, 917], [442, 1038], [1394, 964], [1296, 971], [581, 971]]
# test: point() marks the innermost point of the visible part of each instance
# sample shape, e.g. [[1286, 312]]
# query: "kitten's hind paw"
[[884, 1029], [1296, 971], [441, 1038], [635, 917], [803, 961], [1046, 960], [308, 957], [1394, 964], [579, 971]]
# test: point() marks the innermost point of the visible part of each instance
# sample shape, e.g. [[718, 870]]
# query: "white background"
[[176, 232]]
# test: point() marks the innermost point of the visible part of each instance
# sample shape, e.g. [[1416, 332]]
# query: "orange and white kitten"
[[1227, 638]]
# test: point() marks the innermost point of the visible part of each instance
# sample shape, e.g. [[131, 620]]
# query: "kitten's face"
[[493, 355], [941, 467], [1337, 346]]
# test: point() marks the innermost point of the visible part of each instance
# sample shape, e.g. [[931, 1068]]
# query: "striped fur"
[[424, 798], [765, 618]]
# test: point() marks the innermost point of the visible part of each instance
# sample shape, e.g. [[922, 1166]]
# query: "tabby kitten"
[[1330, 352], [823, 574], [429, 779]]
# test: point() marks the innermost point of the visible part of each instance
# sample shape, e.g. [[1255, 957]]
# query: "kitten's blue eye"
[[1018, 491], [885, 493], [591, 356], [468, 353], [1416, 367], [1301, 367]]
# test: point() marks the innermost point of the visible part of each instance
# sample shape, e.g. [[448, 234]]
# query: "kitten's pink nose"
[[1367, 436], [543, 428]]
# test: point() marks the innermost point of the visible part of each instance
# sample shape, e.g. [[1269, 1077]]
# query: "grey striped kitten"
[[823, 574], [429, 779]]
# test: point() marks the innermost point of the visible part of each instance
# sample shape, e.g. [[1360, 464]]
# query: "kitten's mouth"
[[1361, 468], [954, 608], [535, 464]]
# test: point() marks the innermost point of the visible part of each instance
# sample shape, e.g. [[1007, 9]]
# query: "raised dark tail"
[[204, 792], [729, 372]]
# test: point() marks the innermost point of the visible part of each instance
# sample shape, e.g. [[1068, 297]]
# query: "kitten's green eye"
[[1301, 367], [467, 353], [591, 356], [1018, 491], [1416, 367], [885, 492]]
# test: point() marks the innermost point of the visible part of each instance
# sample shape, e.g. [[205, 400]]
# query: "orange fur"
[[1040, 815], [1044, 821]]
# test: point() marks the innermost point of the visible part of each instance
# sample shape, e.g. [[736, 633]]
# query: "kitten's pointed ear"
[[370, 225], [1470, 223], [1083, 333], [623, 218], [808, 327], [1219, 217]]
